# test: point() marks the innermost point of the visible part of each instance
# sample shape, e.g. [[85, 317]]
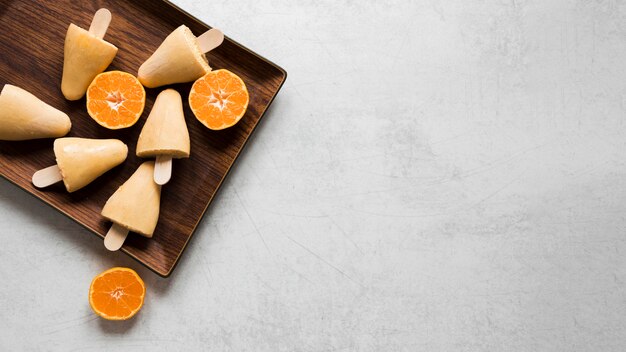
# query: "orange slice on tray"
[[115, 99], [219, 99], [117, 294]]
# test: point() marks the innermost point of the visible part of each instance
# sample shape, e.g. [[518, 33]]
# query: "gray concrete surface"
[[434, 176]]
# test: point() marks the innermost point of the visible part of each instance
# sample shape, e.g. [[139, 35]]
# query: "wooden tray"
[[31, 42]]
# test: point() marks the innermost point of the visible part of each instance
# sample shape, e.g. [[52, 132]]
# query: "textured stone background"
[[434, 175]]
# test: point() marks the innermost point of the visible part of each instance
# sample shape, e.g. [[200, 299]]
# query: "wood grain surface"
[[31, 43]]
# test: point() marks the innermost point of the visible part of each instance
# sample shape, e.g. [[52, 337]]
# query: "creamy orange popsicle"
[[165, 131], [23, 116], [82, 160], [135, 205], [86, 55], [178, 59]]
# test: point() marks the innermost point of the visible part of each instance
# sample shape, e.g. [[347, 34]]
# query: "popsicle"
[[133, 207], [86, 55], [180, 58], [80, 161], [23, 116], [164, 135]]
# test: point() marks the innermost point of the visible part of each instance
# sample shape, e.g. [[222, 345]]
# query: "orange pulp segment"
[[219, 99], [115, 99], [117, 294]]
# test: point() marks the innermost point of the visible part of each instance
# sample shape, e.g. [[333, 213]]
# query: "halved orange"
[[115, 99], [219, 99], [117, 294]]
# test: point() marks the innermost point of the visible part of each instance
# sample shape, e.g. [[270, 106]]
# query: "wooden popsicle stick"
[[100, 23], [210, 40], [48, 176], [162, 169], [115, 237]]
